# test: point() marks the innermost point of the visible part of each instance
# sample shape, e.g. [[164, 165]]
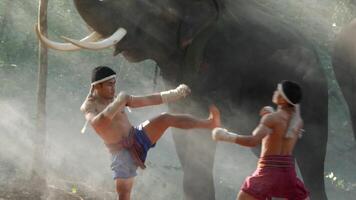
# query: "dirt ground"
[[59, 192]]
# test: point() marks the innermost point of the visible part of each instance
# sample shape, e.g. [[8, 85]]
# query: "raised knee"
[[166, 117]]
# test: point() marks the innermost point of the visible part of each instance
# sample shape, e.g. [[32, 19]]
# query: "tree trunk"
[[4, 20], [38, 178], [5, 23]]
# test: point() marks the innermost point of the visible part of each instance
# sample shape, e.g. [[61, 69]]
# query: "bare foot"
[[214, 116]]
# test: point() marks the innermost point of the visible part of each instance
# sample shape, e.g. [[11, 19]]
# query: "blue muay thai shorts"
[[123, 164]]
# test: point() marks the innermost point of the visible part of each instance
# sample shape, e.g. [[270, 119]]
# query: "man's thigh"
[[155, 127], [124, 185]]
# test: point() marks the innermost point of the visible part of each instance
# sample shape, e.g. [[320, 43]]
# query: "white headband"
[[104, 79], [91, 90], [295, 119], [280, 89]]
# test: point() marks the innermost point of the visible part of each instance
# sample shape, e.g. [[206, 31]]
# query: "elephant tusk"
[[103, 44], [64, 46]]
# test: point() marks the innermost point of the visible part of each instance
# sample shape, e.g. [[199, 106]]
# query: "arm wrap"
[[220, 134], [175, 94], [115, 106]]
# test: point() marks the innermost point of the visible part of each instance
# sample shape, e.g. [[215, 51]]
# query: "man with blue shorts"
[[127, 144]]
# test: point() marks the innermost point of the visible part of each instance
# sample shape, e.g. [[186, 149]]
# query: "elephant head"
[[151, 29]]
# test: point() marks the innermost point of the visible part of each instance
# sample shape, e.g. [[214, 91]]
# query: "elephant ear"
[[196, 16]]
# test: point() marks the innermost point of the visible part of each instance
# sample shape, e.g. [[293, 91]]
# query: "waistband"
[[126, 142], [280, 161], [131, 145]]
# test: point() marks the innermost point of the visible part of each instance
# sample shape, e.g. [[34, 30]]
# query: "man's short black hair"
[[292, 91], [100, 73]]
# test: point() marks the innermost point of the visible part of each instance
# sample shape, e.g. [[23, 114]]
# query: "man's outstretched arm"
[[263, 129], [159, 98]]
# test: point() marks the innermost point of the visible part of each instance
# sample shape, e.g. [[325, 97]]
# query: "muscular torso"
[[276, 143], [116, 129]]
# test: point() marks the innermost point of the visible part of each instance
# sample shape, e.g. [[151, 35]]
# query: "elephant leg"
[[348, 88], [310, 155], [352, 106], [196, 153], [345, 73]]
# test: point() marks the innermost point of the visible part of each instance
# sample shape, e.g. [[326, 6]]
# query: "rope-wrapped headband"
[[280, 90], [291, 92]]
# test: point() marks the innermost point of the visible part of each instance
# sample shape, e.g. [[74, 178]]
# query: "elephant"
[[231, 53], [344, 64]]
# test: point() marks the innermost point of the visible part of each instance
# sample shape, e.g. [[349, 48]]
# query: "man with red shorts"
[[278, 132]]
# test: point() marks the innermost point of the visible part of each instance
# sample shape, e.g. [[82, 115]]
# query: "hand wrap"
[[175, 94], [221, 134]]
